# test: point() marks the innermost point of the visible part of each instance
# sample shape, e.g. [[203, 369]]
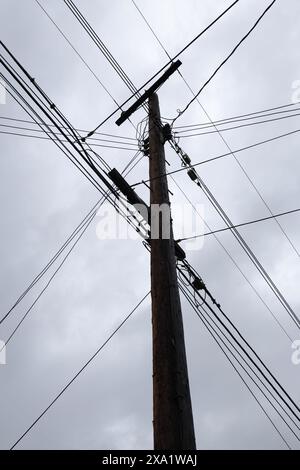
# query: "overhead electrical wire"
[[250, 253], [40, 122], [221, 339], [244, 245], [238, 118], [27, 431], [80, 57], [75, 232], [79, 372], [250, 124], [77, 53], [244, 346], [234, 119], [162, 68], [231, 152], [48, 132], [68, 134], [242, 242], [223, 155], [220, 342], [36, 92], [225, 60], [102, 47], [90, 162], [243, 224], [237, 266], [27, 121], [24, 316], [8, 126], [18, 134]]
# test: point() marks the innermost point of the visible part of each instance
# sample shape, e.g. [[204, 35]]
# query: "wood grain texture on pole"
[[172, 409]]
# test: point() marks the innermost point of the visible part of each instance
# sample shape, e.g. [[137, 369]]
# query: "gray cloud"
[[44, 197]]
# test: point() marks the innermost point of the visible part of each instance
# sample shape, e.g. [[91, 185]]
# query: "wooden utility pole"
[[172, 408]]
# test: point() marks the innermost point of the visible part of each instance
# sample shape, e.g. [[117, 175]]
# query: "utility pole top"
[[126, 114]]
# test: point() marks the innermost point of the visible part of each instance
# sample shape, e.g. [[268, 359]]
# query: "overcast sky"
[[43, 198]]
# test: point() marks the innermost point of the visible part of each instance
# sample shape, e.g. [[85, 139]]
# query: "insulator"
[[146, 147], [192, 174], [167, 132], [198, 284], [186, 159]]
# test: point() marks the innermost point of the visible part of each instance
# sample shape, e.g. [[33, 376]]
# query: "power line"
[[88, 160], [239, 118], [53, 112], [82, 151], [243, 349], [65, 128], [239, 238], [244, 245], [262, 219], [174, 146], [236, 350], [41, 122], [237, 266], [162, 68], [57, 142], [76, 52], [242, 149], [195, 97], [242, 344], [18, 134], [79, 372], [51, 115], [80, 57], [220, 342], [102, 47], [9, 126], [235, 127], [53, 259], [18, 441], [225, 60], [254, 259], [86, 226]]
